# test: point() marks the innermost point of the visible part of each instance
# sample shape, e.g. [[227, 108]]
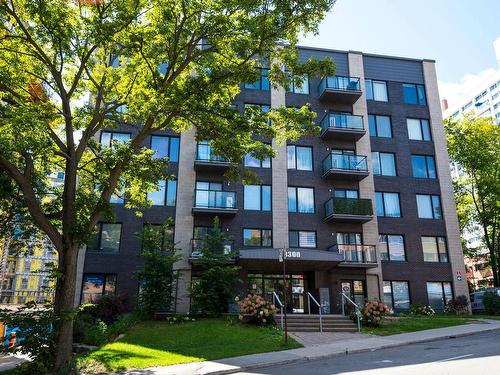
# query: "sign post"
[[282, 258]]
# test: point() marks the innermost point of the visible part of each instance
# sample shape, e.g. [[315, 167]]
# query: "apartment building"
[[365, 208]]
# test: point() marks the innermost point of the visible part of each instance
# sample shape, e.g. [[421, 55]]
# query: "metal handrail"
[[356, 308], [277, 299], [309, 297]]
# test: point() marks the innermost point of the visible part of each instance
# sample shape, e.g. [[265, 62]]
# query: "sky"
[[458, 34]]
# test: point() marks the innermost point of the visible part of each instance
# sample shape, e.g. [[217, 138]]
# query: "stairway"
[[310, 323]]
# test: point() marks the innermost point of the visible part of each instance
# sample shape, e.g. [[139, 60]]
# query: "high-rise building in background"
[[365, 208]]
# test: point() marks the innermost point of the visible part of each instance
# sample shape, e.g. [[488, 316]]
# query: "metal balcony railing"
[[215, 199], [348, 206], [204, 153], [342, 121], [356, 253], [346, 162], [197, 246], [339, 83]]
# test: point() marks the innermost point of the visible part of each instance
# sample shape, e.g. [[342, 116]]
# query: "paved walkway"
[[319, 346]]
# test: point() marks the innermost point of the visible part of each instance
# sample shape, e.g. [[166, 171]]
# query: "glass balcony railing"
[[342, 121], [197, 246], [204, 153], [348, 206], [339, 83], [356, 253], [215, 199], [345, 162]]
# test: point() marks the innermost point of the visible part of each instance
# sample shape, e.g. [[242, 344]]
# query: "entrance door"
[[295, 288], [355, 290]]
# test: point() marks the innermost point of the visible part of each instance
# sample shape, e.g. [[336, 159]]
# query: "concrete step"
[[310, 323]]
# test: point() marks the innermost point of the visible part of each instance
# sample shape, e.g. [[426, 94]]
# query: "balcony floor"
[[212, 166], [346, 218], [342, 133], [214, 211], [340, 96], [353, 175]]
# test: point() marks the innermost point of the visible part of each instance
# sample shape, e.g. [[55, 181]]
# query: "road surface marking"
[[452, 358]]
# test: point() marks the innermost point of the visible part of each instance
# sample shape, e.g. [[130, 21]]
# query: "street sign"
[[459, 278]]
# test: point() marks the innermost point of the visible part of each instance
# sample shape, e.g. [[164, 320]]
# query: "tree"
[[156, 275], [217, 281], [69, 69], [474, 143]]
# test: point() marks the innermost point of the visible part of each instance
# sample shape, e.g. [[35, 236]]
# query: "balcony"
[[345, 166], [351, 210], [197, 246], [342, 126], [210, 202], [344, 90], [356, 255], [206, 160]]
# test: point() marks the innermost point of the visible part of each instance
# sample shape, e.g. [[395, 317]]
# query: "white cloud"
[[452, 91]]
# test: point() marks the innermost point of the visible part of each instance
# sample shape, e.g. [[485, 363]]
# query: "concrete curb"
[[338, 354]]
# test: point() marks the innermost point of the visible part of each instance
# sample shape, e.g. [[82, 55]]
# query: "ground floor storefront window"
[[96, 285], [439, 293], [295, 289], [397, 295]]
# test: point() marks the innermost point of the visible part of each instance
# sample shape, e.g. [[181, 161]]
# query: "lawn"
[[417, 323], [158, 343]]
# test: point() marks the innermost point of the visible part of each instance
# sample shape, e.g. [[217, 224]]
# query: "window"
[[301, 200], [263, 107], [24, 283], [117, 197], [349, 238], [108, 138], [106, 238], [251, 161], [434, 249], [429, 206], [299, 158], [302, 88], [257, 197], [379, 126], [383, 164], [414, 94], [165, 147], [97, 285], [397, 295], [299, 238], [257, 237], [439, 294], [376, 90], [418, 129], [262, 83], [154, 234], [423, 166], [387, 204], [27, 265], [166, 195], [392, 247], [345, 193]]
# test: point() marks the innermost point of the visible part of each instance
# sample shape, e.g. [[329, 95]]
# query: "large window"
[[299, 157], [251, 161], [95, 285], [262, 83], [165, 147], [434, 249], [379, 126], [392, 247], [418, 129], [397, 295], [299, 238], [263, 107], [301, 200], [439, 294], [154, 234], [108, 138], [105, 238], [429, 206], [345, 193], [299, 88], [414, 94], [376, 90], [387, 204], [257, 197], [257, 237], [166, 194], [383, 164], [423, 166]]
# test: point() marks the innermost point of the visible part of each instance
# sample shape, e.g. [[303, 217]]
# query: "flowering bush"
[[421, 309], [374, 313], [255, 309]]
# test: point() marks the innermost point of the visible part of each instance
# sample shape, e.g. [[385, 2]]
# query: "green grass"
[[158, 343], [417, 323]]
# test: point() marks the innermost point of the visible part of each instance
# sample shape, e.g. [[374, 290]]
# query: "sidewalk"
[[354, 343]]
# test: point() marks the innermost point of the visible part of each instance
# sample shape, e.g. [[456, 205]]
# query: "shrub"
[[418, 308], [108, 307], [374, 313], [459, 305], [491, 302], [176, 319], [257, 310]]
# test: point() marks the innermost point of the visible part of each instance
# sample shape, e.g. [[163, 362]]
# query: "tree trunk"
[[64, 304]]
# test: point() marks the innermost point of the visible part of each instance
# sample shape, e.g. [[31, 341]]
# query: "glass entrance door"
[[295, 289], [355, 290]]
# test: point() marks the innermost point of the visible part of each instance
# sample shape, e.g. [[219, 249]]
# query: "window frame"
[[310, 148], [261, 237], [438, 253], [169, 153], [112, 136], [269, 160], [297, 232], [416, 87], [297, 199], [421, 129], [387, 235], [433, 208], [259, 81], [105, 280], [376, 128], [426, 161], [292, 87], [164, 240], [443, 293], [99, 239], [370, 92], [379, 163], [383, 200], [165, 195], [392, 293], [261, 198]]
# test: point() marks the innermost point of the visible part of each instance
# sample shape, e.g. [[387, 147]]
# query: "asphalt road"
[[476, 354]]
